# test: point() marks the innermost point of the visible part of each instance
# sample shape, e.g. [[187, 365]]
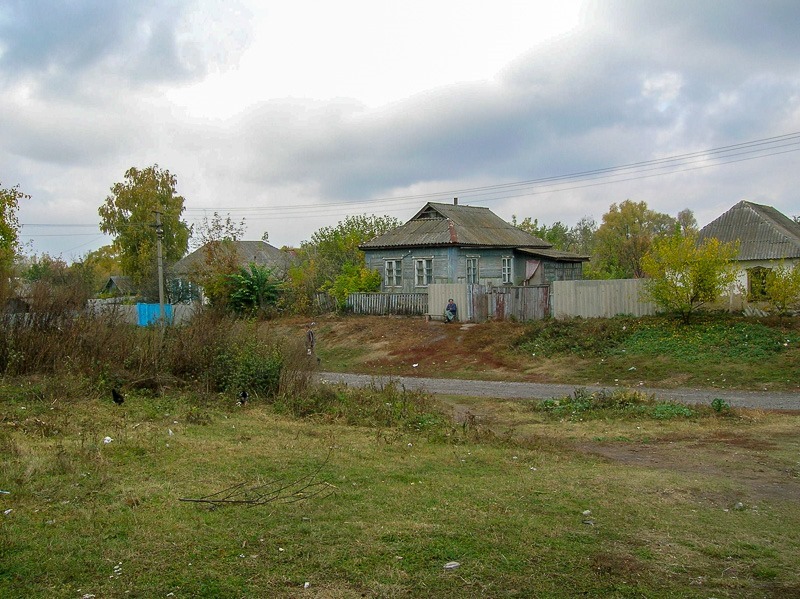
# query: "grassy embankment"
[[714, 351]]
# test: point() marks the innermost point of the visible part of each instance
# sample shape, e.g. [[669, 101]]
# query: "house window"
[[424, 271], [757, 283], [472, 271], [507, 269], [393, 273]]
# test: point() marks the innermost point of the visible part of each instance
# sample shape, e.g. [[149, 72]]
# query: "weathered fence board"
[[521, 303], [599, 298]]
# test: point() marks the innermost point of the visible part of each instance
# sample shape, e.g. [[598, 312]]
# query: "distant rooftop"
[[763, 232]]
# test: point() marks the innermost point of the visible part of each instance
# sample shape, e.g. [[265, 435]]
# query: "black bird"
[[117, 397], [242, 398]]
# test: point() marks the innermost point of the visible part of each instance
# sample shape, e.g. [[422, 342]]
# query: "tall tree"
[[684, 274], [129, 214], [217, 228], [624, 237], [576, 239], [9, 234], [687, 221], [215, 238], [329, 253]]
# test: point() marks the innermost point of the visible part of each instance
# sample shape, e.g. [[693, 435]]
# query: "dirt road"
[[470, 388]]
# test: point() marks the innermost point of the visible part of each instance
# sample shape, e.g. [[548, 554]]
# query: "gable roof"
[[259, 252], [763, 233], [453, 225], [119, 284]]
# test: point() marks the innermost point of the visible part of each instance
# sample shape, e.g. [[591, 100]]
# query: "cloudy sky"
[[293, 115]]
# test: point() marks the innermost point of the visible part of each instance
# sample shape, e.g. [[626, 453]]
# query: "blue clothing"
[[450, 311]]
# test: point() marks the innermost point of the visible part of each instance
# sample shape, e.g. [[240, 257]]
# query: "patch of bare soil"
[[741, 459], [394, 344]]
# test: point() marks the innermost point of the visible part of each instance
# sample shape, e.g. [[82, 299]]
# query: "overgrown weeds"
[[622, 403]]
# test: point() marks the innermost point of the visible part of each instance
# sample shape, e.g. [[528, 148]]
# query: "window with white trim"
[[507, 269], [393, 273], [423, 269], [472, 270]]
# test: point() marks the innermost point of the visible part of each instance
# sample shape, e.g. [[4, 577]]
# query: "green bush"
[[389, 405], [617, 403], [577, 336]]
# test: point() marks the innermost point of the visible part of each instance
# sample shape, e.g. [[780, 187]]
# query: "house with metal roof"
[[449, 243], [186, 271], [766, 238]]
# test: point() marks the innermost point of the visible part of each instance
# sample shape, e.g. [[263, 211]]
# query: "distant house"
[[241, 253], [766, 238], [118, 285], [448, 243]]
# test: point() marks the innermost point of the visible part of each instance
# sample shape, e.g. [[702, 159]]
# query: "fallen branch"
[[276, 490]]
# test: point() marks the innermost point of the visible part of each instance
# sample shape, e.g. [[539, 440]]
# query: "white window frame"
[[507, 270], [423, 271], [396, 270], [472, 274]]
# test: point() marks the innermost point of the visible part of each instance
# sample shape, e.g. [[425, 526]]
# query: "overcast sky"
[[293, 115]]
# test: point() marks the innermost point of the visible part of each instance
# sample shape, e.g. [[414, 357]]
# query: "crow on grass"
[[118, 398]]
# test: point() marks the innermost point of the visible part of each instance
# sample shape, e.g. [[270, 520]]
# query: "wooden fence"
[[476, 303], [590, 299], [520, 303], [388, 303]]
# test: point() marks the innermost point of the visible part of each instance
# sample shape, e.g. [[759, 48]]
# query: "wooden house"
[[448, 243]]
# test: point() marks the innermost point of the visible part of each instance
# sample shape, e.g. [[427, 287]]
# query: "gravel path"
[[743, 399]]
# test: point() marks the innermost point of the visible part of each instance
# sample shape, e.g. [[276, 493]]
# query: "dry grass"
[[502, 493]]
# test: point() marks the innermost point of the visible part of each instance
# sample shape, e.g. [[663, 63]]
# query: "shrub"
[[618, 402]]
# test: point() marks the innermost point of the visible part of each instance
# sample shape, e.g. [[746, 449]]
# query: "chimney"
[[455, 201]]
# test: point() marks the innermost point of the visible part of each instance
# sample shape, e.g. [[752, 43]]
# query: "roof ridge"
[[766, 214]]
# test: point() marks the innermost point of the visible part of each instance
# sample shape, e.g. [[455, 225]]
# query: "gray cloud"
[[638, 81], [56, 43]]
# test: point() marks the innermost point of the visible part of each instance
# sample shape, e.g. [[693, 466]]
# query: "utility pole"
[[159, 236]]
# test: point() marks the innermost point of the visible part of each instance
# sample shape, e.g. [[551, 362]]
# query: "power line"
[[645, 169]]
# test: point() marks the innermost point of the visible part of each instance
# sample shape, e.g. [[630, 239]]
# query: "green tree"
[[217, 228], [9, 234], [215, 238], [253, 291], [102, 263], [684, 274], [782, 287], [624, 237], [328, 253], [578, 239], [354, 279], [129, 214], [687, 221]]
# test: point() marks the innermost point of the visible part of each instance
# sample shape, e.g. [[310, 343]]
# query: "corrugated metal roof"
[[449, 224], [556, 255], [258, 252], [763, 233]]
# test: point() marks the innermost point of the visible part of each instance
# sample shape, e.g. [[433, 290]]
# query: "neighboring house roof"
[[556, 255], [119, 284], [258, 252], [453, 225], [763, 233]]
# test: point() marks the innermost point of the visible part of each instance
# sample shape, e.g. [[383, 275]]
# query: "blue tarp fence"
[[151, 313]]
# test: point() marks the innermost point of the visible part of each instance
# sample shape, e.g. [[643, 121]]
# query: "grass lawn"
[[528, 504]]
